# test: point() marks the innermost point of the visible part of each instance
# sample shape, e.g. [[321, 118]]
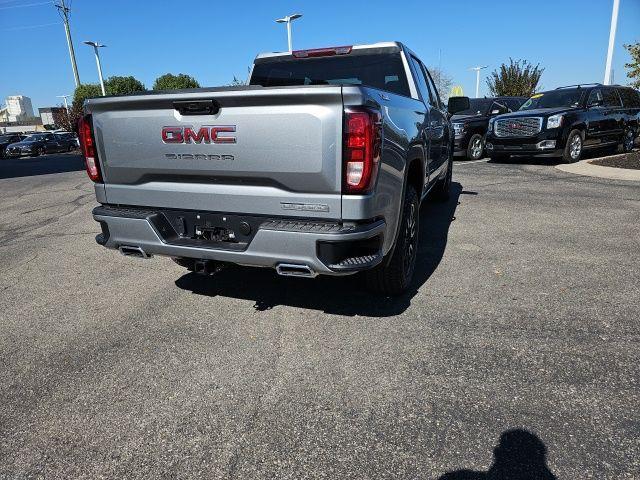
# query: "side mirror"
[[457, 104], [495, 112]]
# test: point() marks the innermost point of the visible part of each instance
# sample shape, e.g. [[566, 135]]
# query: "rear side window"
[[595, 98], [421, 79], [384, 71], [611, 98], [432, 87], [630, 97]]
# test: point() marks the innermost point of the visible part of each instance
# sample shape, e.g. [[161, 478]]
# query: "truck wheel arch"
[[414, 175]]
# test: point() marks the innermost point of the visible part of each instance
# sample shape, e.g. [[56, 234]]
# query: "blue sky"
[[215, 40]]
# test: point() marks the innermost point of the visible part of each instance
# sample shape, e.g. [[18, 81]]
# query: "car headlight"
[[458, 128], [490, 128], [554, 121]]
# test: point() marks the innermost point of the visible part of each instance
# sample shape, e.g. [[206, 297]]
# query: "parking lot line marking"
[[472, 161]]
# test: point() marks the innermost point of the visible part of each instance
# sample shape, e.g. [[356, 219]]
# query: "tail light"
[[361, 155], [88, 145]]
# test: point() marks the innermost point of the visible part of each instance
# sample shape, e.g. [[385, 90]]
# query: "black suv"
[[566, 121], [470, 126]]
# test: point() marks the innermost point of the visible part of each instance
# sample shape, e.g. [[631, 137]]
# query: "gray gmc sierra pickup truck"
[[318, 166]]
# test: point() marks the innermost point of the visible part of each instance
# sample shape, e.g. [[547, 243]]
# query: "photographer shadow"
[[519, 455]]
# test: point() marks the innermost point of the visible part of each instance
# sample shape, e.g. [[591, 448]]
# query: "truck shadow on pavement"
[[47, 164], [520, 455], [335, 295]]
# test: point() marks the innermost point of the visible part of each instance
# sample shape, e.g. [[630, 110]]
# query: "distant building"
[[19, 108], [47, 114]]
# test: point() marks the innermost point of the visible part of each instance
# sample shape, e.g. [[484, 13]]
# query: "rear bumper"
[[330, 248]]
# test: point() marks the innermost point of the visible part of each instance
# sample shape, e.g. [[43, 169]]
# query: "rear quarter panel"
[[401, 143]]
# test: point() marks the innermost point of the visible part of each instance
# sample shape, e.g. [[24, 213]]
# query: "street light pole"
[[477, 70], [66, 105], [95, 46], [64, 13], [288, 19], [612, 41]]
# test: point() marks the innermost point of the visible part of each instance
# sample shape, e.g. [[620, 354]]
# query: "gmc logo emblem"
[[206, 134]]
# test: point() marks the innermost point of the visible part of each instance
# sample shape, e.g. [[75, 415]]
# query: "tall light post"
[[288, 19], [66, 105], [477, 70], [96, 46], [612, 40]]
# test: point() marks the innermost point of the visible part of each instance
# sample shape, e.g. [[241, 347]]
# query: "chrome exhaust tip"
[[132, 251], [295, 270]]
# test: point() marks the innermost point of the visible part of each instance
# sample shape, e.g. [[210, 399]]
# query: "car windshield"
[[477, 106], [568, 98], [34, 138]]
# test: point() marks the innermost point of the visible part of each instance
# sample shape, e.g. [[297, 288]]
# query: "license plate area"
[[206, 229]]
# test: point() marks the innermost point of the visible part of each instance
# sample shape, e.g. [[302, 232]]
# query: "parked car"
[[319, 166], [38, 144], [68, 139], [470, 126], [567, 121], [6, 140]]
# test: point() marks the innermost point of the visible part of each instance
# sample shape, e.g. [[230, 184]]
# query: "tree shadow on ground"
[[519, 455], [44, 165], [336, 295]]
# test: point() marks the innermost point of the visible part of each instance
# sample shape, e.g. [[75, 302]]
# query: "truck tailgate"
[[271, 151]]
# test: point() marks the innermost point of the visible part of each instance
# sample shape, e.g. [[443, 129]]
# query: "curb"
[[584, 167]]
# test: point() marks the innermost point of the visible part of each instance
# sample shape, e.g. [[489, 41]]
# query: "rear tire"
[[573, 149], [393, 276], [476, 147]]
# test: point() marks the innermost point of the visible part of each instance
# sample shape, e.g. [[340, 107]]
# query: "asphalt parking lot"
[[518, 345]]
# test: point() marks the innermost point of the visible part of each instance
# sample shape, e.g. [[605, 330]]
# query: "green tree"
[[634, 64], [169, 81], [123, 85], [81, 93], [64, 120], [519, 79], [84, 91]]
